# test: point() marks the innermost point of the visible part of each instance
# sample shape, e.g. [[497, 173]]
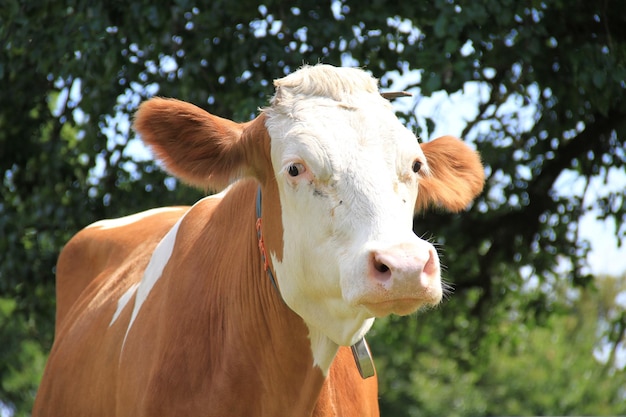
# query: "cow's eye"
[[417, 165], [295, 169]]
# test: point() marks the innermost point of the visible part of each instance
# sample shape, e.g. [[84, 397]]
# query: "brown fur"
[[456, 175], [202, 149]]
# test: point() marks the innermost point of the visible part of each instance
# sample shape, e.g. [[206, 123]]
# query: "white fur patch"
[[121, 303], [324, 349], [133, 218], [154, 270]]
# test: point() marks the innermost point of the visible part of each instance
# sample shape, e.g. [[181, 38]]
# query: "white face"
[[345, 173]]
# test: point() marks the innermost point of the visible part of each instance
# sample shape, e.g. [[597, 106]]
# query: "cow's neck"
[[273, 341], [322, 348]]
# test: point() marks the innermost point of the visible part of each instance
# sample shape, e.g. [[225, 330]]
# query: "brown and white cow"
[[170, 312]]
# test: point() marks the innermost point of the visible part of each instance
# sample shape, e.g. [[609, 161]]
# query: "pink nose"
[[406, 270]]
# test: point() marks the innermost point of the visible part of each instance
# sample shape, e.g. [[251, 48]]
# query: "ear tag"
[[363, 358]]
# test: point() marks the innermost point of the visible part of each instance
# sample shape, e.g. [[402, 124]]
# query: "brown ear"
[[456, 175], [195, 146]]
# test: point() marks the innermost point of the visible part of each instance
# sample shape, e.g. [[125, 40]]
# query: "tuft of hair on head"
[[324, 81]]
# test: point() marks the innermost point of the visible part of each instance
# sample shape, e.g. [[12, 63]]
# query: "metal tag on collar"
[[363, 358]]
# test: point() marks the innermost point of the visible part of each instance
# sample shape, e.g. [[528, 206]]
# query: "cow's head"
[[349, 178]]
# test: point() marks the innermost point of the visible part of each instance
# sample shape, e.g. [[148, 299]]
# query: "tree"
[[526, 365], [72, 73]]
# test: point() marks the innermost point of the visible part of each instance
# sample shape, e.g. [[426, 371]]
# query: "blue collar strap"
[[264, 257]]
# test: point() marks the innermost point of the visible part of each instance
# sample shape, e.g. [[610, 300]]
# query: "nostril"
[[432, 265], [380, 267]]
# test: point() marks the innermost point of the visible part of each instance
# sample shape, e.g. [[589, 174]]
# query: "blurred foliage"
[[22, 357], [562, 364], [551, 81]]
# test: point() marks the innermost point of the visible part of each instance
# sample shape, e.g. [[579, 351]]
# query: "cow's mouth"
[[401, 307]]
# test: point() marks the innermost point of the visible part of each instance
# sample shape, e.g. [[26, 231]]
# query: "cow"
[[247, 302]]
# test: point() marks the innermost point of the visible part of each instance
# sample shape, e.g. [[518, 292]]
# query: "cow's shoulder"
[[99, 250]]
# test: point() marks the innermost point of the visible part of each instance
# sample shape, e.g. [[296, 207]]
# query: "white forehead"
[[334, 112]]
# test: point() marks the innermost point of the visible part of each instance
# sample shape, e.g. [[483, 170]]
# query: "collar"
[[264, 257]]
